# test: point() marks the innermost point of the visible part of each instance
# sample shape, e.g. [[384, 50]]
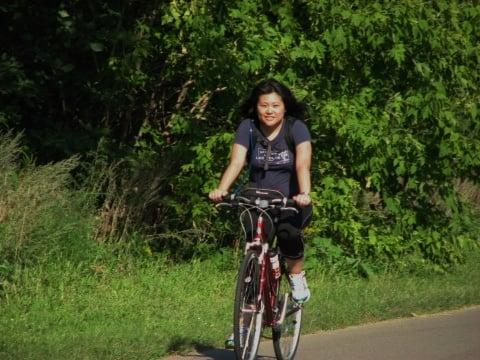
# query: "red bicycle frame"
[[268, 283]]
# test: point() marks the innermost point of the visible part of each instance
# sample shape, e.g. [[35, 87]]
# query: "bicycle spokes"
[[286, 333], [248, 309]]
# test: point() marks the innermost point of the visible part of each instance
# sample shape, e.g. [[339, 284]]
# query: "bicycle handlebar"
[[233, 199]]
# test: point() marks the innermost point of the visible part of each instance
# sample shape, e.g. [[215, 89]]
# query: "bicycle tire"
[[248, 310], [286, 335]]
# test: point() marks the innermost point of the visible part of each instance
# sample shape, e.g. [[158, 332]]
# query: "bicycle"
[[263, 296]]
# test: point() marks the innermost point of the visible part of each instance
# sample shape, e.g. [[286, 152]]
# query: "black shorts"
[[289, 230]]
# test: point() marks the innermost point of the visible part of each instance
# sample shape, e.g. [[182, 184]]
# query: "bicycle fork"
[[258, 243]]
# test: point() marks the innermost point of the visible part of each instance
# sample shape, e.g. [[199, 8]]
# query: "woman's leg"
[[290, 237], [290, 241], [294, 266]]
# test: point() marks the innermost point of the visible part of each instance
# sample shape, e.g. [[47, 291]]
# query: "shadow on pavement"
[[218, 354], [222, 354], [204, 350], [213, 354]]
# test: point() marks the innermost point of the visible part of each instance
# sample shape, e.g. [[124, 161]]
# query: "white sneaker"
[[230, 343], [300, 291]]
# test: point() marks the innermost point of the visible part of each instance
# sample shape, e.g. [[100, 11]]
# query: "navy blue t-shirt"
[[281, 163]]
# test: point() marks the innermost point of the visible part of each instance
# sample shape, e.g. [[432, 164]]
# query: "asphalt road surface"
[[453, 335]]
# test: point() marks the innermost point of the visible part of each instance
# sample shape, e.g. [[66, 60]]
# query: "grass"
[[130, 308], [110, 311]]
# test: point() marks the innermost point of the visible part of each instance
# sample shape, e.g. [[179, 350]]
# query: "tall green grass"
[[112, 309], [109, 307], [38, 211]]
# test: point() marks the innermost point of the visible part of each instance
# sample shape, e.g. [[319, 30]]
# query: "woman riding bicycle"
[[276, 143]]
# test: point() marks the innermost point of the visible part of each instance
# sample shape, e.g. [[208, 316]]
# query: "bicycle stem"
[[260, 229]]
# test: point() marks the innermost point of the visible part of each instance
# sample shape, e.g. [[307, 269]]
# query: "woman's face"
[[270, 109]]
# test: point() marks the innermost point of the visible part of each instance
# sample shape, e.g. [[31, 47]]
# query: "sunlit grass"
[[145, 309]]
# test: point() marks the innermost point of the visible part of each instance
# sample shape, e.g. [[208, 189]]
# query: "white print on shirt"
[[276, 157]]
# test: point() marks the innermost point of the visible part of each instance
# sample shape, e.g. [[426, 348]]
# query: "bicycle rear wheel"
[[248, 311], [286, 335]]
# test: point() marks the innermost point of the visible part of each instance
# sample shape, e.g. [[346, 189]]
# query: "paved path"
[[453, 335]]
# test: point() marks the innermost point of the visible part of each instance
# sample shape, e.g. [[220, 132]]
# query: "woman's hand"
[[217, 195], [302, 199]]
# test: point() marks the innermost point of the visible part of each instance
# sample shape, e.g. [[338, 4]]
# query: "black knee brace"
[[290, 241]]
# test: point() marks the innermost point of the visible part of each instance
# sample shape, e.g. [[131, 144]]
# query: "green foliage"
[[392, 89]]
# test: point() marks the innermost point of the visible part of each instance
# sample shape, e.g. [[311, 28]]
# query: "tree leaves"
[[96, 47], [392, 89]]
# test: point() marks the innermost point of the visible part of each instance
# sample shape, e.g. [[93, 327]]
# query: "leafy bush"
[[392, 89]]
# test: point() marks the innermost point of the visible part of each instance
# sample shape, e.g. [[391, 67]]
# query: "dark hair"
[[292, 106]]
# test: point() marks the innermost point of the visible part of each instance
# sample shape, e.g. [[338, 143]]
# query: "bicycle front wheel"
[[248, 311], [286, 334]]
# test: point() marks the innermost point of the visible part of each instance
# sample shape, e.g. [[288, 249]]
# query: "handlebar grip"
[[290, 203], [229, 197]]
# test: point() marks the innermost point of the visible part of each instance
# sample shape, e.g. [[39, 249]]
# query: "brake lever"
[[291, 209], [223, 204]]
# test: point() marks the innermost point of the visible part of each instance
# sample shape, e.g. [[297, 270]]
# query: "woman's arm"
[[234, 168], [303, 161]]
